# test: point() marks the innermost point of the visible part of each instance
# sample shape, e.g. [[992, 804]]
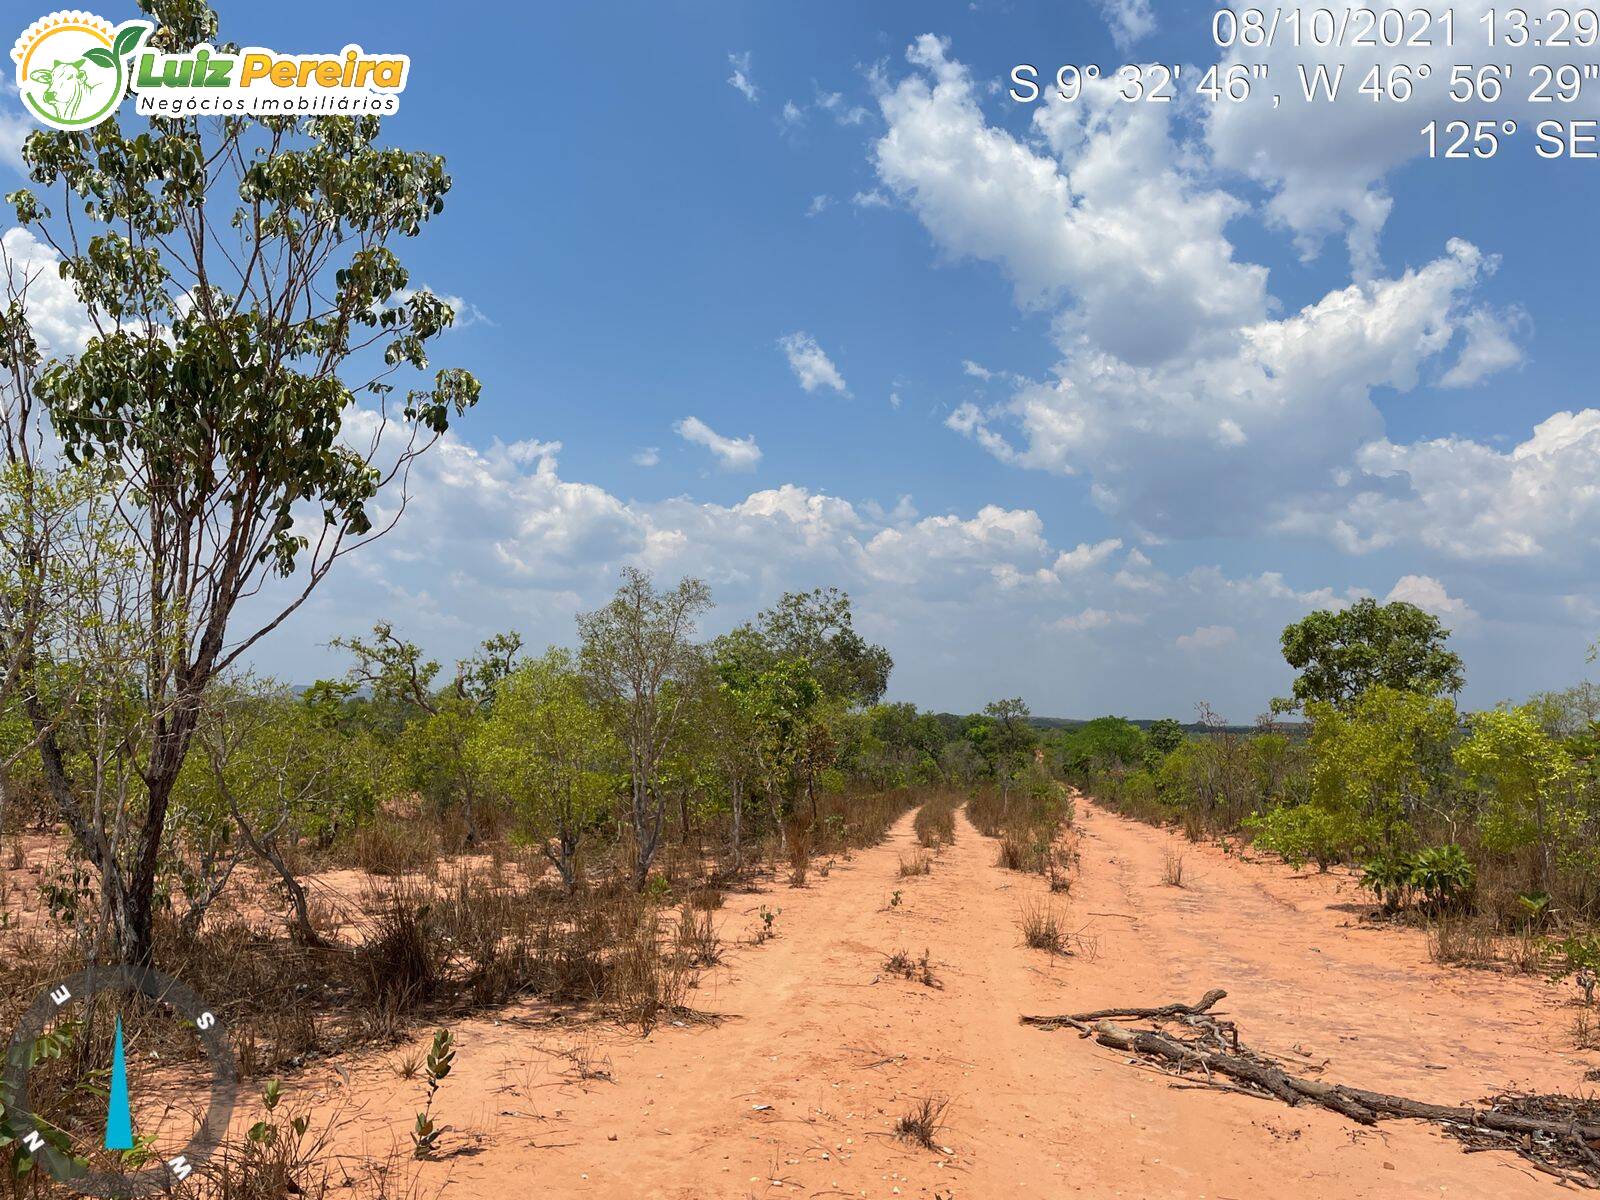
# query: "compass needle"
[[119, 1121]]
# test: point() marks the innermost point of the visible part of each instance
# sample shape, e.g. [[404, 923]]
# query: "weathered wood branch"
[[1166, 1012], [1215, 1051]]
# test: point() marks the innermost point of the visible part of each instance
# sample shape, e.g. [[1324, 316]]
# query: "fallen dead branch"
[[1558, 1134]]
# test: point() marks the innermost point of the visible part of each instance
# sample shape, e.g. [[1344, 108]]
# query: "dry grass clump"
[[918, 970], [643, 984], [920, 863], [800, 841], [399, 965], [392, 847], [1172, 869], [935, 822], [922, 1124], [1585, 1032], [1043, 927], [1464, 941], [853, 820], [696, 939], [1028, 824], [1020, 852], [706, 899]]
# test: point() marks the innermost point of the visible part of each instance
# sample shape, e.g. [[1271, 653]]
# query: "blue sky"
[[1101, 395]]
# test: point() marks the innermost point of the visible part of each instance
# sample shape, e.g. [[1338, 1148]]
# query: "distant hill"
[[1146, 722]]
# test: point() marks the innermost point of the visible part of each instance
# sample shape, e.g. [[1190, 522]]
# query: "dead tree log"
[[1214, 1050], [1166, 1012]]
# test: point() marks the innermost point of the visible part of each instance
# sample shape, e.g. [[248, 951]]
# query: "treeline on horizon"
[[1482, 824]]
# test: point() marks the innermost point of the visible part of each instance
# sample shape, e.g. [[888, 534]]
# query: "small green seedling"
[[441, 1057]]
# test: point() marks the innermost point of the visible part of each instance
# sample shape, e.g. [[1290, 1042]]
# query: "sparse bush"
[[1443, 875], [922, 1124], [920, 863], [1388, 877], [1043, 928], [935, 822], [697, 942], [1172, 868], [919, 970]]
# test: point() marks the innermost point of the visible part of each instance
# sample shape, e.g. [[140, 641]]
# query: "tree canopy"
[[1340, 655]]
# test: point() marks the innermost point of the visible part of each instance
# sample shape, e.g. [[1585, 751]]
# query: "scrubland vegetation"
[[351, 863], [1484, 825]]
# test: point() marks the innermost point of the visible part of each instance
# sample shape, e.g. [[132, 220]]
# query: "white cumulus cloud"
[[811, 364], [734, 454]]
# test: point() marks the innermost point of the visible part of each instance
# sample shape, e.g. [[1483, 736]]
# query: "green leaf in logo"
[[128, 39], [100, 57]]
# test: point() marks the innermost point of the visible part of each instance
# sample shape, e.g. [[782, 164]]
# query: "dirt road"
[[796, 1090]]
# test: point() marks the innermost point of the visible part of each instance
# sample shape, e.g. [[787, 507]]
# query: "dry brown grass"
[[923, 1123], [919, 970], [696, 939], [935, 822], [1463, 941], [1172, 869], [919, 863], [1043, 927]]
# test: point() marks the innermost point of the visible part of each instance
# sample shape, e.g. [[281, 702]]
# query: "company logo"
[[74, 68]]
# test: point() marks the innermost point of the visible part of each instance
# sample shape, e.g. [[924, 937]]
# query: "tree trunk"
[[648, 815]]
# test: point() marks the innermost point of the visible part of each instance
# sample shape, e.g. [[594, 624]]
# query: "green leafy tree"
[[1383, 762], [239, 275], [641, 662], [547, 748], [1004, 738], [778, 698], [1524, 777], [1340, 655], [818, 628], [436, 741], [1164, 736], [1101, 743]]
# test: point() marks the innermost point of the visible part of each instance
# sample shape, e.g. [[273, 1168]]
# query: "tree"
[[1004, 738], [232, 270], [640, 661], [730, 735], [1524, 776], [818, 628], [1164, 736], [549, 750], [272, 770], [436, 744], [1340, 655], [1383, 762], [777, 699], [1101, 743]]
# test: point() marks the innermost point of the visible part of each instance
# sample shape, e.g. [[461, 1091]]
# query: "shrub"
[[1172, 869], [1443, 875], [1043, 928], [1303, 833], [1388, 877], [922, 1124], [919, 970], [935, 822]]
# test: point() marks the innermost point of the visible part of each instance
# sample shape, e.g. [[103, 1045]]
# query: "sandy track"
[[795, 1092]]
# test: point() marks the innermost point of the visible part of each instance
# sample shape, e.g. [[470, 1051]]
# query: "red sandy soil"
[[796, 1090]]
